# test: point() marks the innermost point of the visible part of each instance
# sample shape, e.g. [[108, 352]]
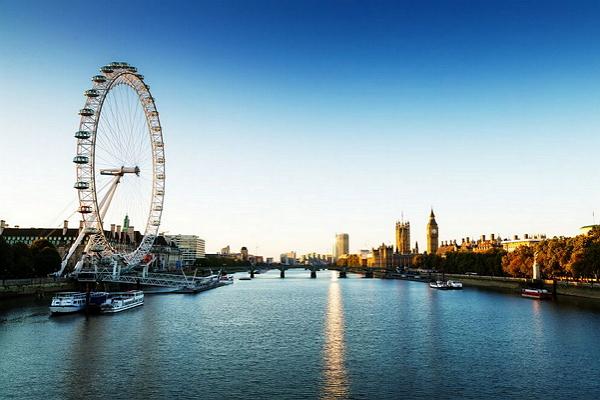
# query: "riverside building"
[[342, 245], [191, 246]]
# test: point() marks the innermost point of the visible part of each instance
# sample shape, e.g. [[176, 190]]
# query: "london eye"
[[120, 166]]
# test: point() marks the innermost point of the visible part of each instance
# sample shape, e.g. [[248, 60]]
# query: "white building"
[[191, 246]]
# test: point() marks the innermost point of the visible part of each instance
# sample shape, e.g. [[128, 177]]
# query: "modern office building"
[[191, 246], [342, 245]]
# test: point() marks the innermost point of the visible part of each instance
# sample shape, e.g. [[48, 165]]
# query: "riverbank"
[[561, 288], [34, 287]]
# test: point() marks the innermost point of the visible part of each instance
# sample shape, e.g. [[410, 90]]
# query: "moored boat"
[[122, 301], [71, 302], [226, 279], [441, 285], [68, 302], [538, 294], [455, 285]]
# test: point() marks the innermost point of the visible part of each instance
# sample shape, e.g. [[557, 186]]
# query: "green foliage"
[[7, 260], [486, 263], [22, 261]]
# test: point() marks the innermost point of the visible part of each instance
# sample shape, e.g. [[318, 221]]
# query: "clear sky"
[[288, 121]]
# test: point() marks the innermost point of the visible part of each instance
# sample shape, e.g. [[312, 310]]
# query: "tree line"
[[22, 261], [487, 263], [572, 258], [558, 258]]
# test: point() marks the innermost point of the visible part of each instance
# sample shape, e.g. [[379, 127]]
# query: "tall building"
[[244, 253], [403, 237], [201, 249], [432, 234], [342, 244], [190, 246]]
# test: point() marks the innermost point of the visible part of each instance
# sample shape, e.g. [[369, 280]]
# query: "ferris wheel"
[[120, 164]]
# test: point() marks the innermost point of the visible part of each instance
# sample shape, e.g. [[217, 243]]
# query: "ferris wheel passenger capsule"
[[83, 134], [81, 159], [91, 93], [85, 209], [86, 112], [107, 69], [99, 79], [81, 185], [140, 76]]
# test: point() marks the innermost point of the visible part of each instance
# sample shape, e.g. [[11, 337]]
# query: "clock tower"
[[432, 234]]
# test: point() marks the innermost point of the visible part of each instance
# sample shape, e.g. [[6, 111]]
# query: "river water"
[[301, 338]]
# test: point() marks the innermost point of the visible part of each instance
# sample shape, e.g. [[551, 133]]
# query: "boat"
[[122, 301], [537, 294], [225, 280], [244, 278], [455, 285], [441, 285], [196, 285], [68, 302], [72, 302]]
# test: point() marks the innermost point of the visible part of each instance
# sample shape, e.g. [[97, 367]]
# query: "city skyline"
[[282, 130]]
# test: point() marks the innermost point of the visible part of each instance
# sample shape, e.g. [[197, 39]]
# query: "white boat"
[[117, 302], [537, 294], [454, 285], [441, 285], [226, 279], [68, 302]]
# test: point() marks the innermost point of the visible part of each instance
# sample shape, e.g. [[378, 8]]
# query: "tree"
[[23, 262], [519, 263], [45, 257], [6, 259]]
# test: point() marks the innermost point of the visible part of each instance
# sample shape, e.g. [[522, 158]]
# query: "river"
[[301, 338]]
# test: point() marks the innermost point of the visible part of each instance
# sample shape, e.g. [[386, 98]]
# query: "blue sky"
[[286, 122]]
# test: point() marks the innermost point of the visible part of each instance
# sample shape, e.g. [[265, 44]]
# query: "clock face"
[[434, 231]]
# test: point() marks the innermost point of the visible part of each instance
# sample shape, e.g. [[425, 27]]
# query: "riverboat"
[[455, 285], [225, 280], [537, 294], [72, 302], [117, 302], [244, 278], [67, 302], [441, 285]]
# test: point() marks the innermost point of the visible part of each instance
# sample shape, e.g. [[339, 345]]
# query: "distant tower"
[[432, 234], [342, 245], [244, 253], [126, 223], [403, 237]]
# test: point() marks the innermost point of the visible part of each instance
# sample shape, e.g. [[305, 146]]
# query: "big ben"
[[432, 234]]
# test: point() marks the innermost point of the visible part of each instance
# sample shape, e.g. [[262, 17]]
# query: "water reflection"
[[334, 370]]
